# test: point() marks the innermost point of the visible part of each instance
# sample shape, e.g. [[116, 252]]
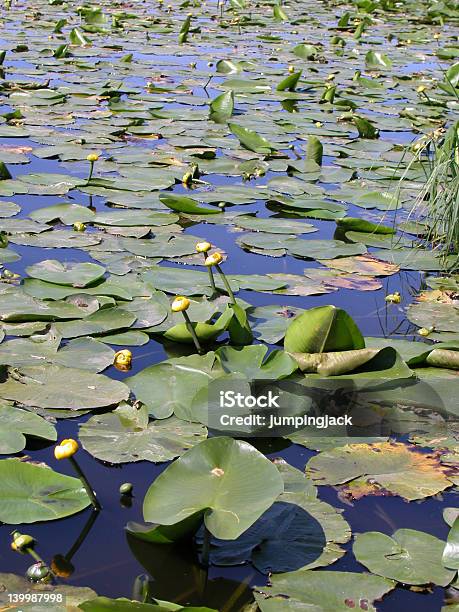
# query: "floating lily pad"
[[59, 387], [409, 556], [385, 466], [316, 590], [126, 435], [43, 495], [74, 274], [226, 480], [16, 423]]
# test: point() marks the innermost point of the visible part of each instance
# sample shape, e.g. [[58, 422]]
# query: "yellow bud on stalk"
[[21, 542], [203, 247], [180, 304], [92, 158], [67, 448], [214, 259]]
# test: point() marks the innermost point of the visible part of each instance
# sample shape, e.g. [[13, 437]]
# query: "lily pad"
[[126, 435], [16, 423], [409, 556], [386, 466], [226, 480], [32, 493], [57, 387], [73, 274]]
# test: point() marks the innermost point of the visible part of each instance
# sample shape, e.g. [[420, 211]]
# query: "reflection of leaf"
[[32, 493], [409, 556], [228, 479], [392, 466]]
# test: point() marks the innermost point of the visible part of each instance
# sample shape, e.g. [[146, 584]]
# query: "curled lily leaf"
[[334, 364], [443, 358]]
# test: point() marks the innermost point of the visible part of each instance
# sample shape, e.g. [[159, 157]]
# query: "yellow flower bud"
[[318, 124], [291, 69], [92, 157], [421, 88], [79, 227], [214, 259], [394, 298], [22, 542], [203, 247], [180, 304], [123, 360], [424, 331], [67, 448]]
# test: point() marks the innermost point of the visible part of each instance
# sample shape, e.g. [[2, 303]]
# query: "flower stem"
[[85, 482], [91, 170], [191, 329], [205, 553], [212, 279], [227, 285]]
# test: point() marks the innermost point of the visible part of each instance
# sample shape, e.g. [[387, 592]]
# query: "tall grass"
[[438, 199]]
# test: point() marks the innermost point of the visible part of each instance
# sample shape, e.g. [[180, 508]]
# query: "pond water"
[[90, 117]]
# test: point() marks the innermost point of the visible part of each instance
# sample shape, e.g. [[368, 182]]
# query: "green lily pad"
[[73, 274], [32, 493], [57, 387], [409, 556], [319, 590], [126, 435], [16, 423], [226, 480]]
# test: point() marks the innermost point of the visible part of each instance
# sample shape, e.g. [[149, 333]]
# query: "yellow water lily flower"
[[67, 448], [180, 304], [92, 157], [203, 247], [393, 298], [123, 360], [214, 259]]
